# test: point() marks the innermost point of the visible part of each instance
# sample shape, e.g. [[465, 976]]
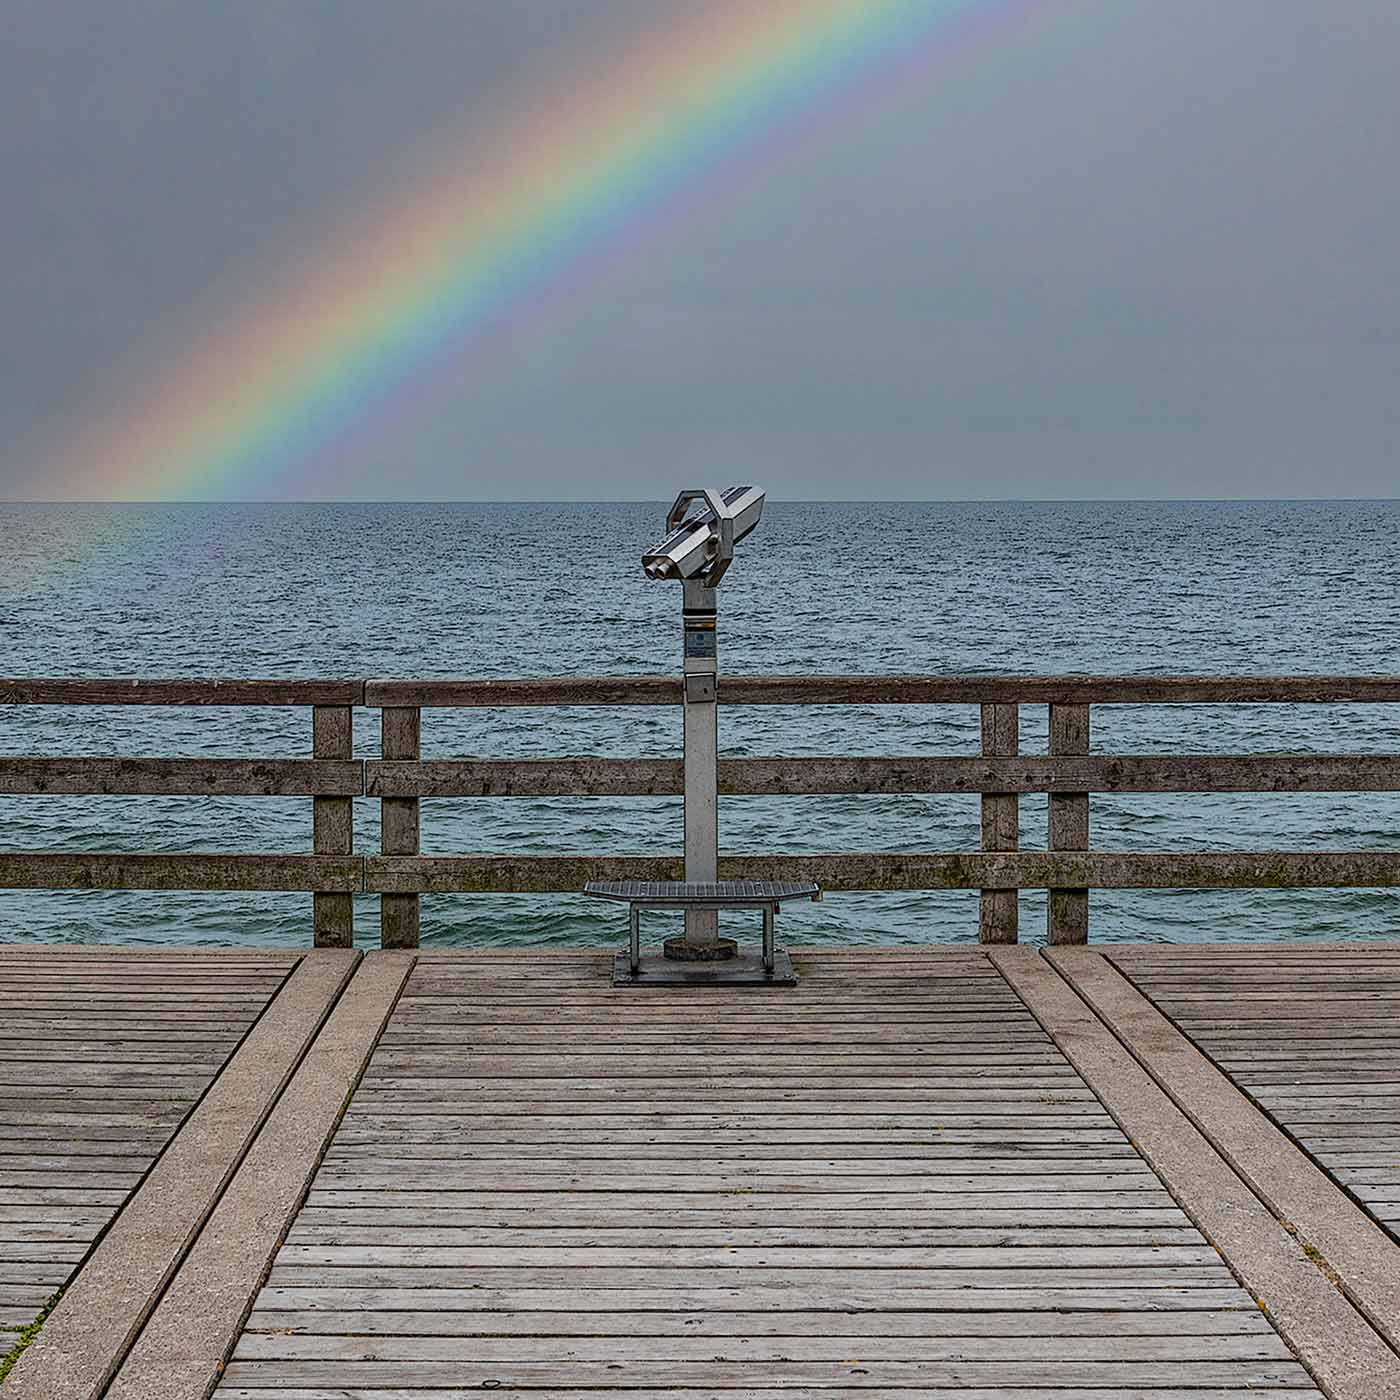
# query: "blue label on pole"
[[699, 643]]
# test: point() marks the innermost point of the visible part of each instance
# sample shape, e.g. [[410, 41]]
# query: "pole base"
[[742, 970], [680, 949]]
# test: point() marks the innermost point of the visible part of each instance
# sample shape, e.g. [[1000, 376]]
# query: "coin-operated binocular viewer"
[[702, 528], [698, 549]]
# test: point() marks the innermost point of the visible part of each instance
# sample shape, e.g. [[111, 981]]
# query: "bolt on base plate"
[[742, 970]]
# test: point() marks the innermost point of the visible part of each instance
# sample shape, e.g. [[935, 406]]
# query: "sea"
[[471, 590]]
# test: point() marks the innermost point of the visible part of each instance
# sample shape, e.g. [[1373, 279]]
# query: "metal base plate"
[[744, 970]]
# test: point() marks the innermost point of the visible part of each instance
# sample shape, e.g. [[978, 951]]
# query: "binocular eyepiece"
[[699, 544]]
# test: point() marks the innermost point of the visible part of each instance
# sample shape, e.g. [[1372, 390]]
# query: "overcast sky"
[[1128, 248]]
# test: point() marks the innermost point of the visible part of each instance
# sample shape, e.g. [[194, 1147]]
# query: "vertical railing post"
[[400, 734], [1001, 827], [333, 827], [1067, 916]]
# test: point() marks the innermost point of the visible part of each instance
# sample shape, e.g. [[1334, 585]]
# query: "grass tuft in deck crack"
[[27, 1335]]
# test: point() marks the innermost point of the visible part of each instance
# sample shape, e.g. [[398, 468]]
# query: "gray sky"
[[1131, 248]]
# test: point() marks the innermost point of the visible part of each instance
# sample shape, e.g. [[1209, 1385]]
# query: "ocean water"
[[537, 590]]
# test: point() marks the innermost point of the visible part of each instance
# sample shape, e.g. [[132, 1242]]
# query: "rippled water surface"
[[536, 590]]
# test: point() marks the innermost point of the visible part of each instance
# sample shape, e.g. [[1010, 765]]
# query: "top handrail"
[[46, 690], [733, 690]]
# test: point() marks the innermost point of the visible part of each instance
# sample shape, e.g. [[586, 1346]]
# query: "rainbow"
[[485, 238]]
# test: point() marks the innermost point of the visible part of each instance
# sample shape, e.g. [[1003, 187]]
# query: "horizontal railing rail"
[[733, 690], [915, 870], [633, 777], [894, 690], [661, 777], [400, 779], [64, 691], [185, 777], [206, 870]]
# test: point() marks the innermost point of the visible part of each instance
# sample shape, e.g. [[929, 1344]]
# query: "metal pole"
[[699, 671]]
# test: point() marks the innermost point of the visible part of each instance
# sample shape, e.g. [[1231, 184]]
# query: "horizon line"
[[782, 500]]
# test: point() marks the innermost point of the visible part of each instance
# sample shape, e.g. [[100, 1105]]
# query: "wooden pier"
[[922, 1174], [984, 1172]]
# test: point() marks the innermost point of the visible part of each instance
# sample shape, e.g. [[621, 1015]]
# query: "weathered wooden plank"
[[73, 1161], [78, 1226], [603, 1212], [962, 1325], [310, 1254], [83, 1180], [1089, 1375], [704, 1087], [66, 691], [414, 1075], [890, 1109], [997, 911], [737, 1201], [77, 1215], [947, 1057], [642, 1347], [892, 690], [48, 1274], [909, 1022], [799, 1295], [228, 1004], [202, 777], [114, 870], [344, 1228], [583, 1168], [134, 958], [1065, 773], [658, 1276], [802, 1392], [546, 1091], [525, 874], [94, 1104], [923, 1182], [1024, 1063], [520, 1055], [611, 1118], [1245, 954], [752, 1147]]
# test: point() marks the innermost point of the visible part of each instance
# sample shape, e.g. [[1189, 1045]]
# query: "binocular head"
[[702, 528]]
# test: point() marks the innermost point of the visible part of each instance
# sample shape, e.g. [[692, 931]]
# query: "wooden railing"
[[400, 779]]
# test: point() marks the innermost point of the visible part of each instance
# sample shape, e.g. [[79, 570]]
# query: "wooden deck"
[[944, 1174]]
